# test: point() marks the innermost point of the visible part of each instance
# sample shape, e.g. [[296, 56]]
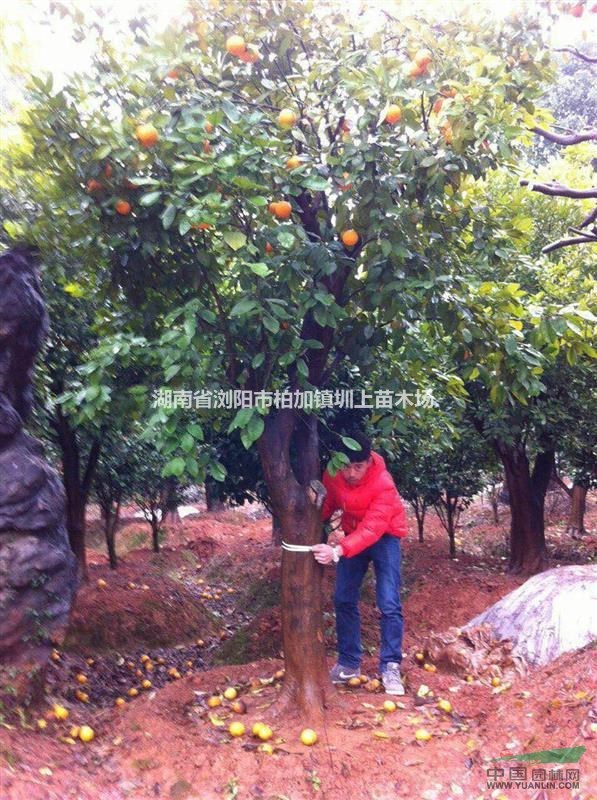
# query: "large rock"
[[37, 566], [552, 613]]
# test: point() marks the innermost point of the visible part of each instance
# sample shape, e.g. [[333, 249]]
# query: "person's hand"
[[312, 495], [335, 538], [323, 553]]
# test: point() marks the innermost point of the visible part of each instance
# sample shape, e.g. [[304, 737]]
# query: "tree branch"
[[566, 139], [588, 239], [558, 190], [589, 218], [576, 53]]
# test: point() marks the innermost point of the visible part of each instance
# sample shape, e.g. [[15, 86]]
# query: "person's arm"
[[375, 523]]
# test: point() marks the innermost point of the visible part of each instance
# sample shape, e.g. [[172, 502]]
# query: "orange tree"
[[287, 181]]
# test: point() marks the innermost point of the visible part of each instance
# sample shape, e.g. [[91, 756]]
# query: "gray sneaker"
[[340, 674], [391, 678]]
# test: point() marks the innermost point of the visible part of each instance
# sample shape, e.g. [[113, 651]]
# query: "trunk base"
[[304, 702]]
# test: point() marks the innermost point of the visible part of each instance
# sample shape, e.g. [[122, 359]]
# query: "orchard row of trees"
[[271, 196]]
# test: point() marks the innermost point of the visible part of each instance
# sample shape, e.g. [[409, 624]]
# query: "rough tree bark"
[[576, 519], [276, 531], [307, 686], [527, 498], [77, 486], [448, 510], [111, 520], [212, 499], [420, 509]]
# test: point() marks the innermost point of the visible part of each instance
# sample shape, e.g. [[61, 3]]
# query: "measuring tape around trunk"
[[297, 548]]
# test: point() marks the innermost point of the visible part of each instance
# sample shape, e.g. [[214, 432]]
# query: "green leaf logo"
[[564, 755]]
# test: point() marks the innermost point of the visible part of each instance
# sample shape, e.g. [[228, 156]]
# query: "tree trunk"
[[307, 686], [420, 509], [527, 499], [155, 532], [110, 525], [276, 531], [76, 488], [448, 513], [576, 520], [212, 499], [494, 508]]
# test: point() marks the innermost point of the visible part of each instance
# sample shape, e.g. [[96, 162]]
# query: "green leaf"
[[302, 368], [217, 471], [102, 152], [235, 239], [258, 360], [149, 199], [261, 269], [184, 226], [175, 467], [286, 239], [271, 323], [350, 443], [196, 431], [187, 443], [241, 418], [230, 110], [252, 432], [244, 306], [74, 289], [315, 183], [168, 216], [429, 161]]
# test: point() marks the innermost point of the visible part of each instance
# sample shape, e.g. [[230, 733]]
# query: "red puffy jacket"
[[370, 509]]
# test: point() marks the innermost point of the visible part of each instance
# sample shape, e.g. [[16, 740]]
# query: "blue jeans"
[[385, 554]]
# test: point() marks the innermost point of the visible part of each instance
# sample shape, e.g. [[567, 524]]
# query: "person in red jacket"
[[374, 521]]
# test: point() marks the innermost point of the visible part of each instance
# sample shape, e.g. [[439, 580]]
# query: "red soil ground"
[[216, 579]]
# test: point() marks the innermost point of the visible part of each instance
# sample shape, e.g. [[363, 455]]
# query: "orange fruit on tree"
[[447, 132], [251, 55], [206, 147], [393, 114], [107, 170], [172, 73], [344, 187], [423, 57], [282, 209], [415, 70], [293, 162], [146, 134], [287, 118], [437, 106], [123, 207], [235, 45], [208, 127], [268, 248], [349, 237], [94, 186]]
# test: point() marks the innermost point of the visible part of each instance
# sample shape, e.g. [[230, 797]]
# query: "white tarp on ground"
[[552, 613], [184, 511]]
